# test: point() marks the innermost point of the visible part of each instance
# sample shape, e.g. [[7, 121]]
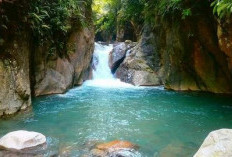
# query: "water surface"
[[163, 123]]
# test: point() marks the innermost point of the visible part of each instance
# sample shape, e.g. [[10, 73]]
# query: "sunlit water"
[[162, 123]]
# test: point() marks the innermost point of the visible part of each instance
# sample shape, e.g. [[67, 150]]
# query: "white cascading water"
[[102, 76]]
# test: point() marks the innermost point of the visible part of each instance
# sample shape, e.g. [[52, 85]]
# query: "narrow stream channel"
[[162, 123]]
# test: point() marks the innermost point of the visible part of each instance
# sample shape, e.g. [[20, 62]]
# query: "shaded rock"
[[118, 54], [15, 92], [194, 54], [19, 140], [28, 68], [224, 33], [138, 67], [53, 83], [54, 74], [217, 144]]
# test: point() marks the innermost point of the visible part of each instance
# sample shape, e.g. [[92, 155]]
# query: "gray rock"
[[19, 140], [138, 66], [119, 53], [217, 144], [54, 75], [15, 93]]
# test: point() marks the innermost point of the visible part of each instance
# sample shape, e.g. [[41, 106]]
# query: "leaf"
[[37, 17], [4, 26], [46, 26]]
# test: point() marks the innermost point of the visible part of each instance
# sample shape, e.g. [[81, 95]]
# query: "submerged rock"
[[19, 140], [115, 145], [115, 149], [217, 144]]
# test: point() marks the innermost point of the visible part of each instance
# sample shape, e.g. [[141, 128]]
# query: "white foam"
[[102, 76], [107, 83]]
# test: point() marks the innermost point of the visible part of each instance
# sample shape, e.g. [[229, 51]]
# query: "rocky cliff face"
[[53, 74], [27, 69], [15, 93], [189, 54]]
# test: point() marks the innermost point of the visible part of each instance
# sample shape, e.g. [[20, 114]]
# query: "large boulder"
[[119, 53], [139, 66], [19, 140], [217, 144], [54, 74]]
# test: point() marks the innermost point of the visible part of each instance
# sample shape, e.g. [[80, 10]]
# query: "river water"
[[162, 123]]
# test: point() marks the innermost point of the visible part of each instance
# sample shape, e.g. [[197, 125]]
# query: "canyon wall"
[[28, 69], [53, 74], [15, 93], [183, 54]]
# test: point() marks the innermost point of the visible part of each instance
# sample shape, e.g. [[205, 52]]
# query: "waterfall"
[[102, 76], [101, 62]]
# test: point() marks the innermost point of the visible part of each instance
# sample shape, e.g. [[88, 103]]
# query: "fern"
[[222, 8], [50, 21]]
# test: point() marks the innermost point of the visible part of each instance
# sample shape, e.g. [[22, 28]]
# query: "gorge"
[[160, 77], [99, 111]]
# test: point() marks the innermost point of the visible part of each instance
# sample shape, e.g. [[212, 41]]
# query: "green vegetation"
[[111, 13], [49, 22], [52, 21], [223, 8], [105, 16]]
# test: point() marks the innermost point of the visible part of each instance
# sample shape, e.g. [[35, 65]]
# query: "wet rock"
[[193, 55], [137, 73], [53, 83], [98, 153], [58, 74], [138, 67], [115, 145], [217, 144], [115, 149], [224, 33], [118, 54], [19, 140]]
